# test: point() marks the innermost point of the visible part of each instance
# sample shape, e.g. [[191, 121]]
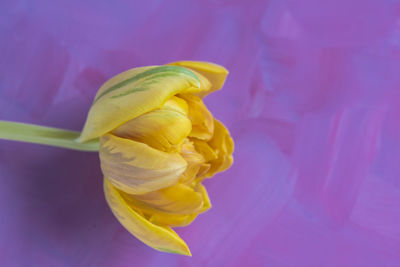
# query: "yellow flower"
[[158, 142]]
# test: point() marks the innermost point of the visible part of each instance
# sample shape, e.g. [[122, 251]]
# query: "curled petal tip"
[[214, 74]]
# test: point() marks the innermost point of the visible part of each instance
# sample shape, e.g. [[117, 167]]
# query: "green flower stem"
[[44, 135]]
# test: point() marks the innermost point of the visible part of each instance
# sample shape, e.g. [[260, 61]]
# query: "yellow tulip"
[[158, 142]]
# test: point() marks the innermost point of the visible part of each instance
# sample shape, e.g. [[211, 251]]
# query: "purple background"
[[312, 102]]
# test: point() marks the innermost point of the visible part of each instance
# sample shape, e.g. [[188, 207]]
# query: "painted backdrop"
[[312, 102]]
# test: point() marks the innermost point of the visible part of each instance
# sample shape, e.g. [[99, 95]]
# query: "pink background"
[[312, 102]]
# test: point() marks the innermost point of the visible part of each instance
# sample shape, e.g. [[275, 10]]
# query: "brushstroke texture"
[[312, 101]]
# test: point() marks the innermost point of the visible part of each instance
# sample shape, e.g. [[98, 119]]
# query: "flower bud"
[[158, 142]]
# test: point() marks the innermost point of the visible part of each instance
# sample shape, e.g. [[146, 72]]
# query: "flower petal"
[[201, 118], [222, 144], [214, 73], [133, 93], [206, 200], [177, 104], [175, 220], [204, 149], [136, 168], [164, 129], [176, 199], [172, 220], [157, 237], [194, 160]]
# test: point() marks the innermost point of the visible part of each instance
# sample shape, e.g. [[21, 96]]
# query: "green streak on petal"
[[36, 134], [144, 86], [148, 74], [130, 91]]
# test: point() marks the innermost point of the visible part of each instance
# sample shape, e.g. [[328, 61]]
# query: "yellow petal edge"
[[158, 237]]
